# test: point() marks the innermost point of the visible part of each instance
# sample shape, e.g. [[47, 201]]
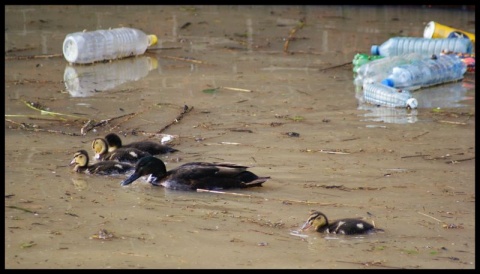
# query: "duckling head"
[[113, 141], [148, 165], [100, 147], [80, 159], [317, 220]]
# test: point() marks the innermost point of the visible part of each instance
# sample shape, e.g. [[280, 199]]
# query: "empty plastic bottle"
[[99, 45], [402, 45], [361, 58], [377, 70], [379, 94], [427, 72]]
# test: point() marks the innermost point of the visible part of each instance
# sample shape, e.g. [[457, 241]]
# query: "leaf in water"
[[26, 245], [210, 90]]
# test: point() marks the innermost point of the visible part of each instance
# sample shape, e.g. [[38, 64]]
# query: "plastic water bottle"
[[379, 94], [427, 72], [377, 70], [99, 45], [361, 58], [84, 81], [402, 45]]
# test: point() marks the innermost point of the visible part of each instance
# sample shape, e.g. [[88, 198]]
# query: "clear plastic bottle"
[[377, 70], [427, 72], [379, 94], [402, 45], [99, 45]]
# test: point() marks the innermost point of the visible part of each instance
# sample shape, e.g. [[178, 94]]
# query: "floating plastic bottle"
[[361, 58], [379, 94], [427, 72], [99, 45], [84, 81], [402, 45], [377, 70]]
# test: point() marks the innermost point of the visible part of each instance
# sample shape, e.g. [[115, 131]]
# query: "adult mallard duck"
[[154, 148], [191, 176], [348, 226], [81, 162], [128, 155]]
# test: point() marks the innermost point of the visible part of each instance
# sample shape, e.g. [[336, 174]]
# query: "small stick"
[[451, 122], [185, 110], [332, 152], [21, 208], [292, 33], [237, 89], [430, 217], [32, 57], [337, 66], [223, 192], [183, 59]]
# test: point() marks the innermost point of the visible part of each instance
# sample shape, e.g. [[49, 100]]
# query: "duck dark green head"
[[147, 166]]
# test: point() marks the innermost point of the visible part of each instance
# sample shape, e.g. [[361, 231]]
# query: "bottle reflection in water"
[[444, 96], [388, 115], [86, 80]]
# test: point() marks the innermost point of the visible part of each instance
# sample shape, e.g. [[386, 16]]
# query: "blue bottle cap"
[[388, 82], [374, 50]]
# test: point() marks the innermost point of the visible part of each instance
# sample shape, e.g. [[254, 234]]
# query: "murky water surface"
[[251, 77]]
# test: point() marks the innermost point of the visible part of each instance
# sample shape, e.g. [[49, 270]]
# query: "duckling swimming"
[[191, 176], [348, 226], [128, 155], [154, 148], [81, 162]]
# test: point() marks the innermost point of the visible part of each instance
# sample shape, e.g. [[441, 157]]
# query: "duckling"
[[153, 148], [128, 155], [191, 176], [347, 226], [81, 162]]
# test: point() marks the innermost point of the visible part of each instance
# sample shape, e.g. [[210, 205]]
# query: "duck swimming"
[[191, 176], [154, 148], [128, 155], [348, 226], [81, 162]]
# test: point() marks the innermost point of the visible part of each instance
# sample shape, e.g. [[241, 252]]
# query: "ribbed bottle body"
[[427, 72], [99, 45], [379, 94], [401, 45]]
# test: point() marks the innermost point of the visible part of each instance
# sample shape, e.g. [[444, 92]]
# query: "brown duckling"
[[154, 148], [81, 162], [348, 226], [128, 155]]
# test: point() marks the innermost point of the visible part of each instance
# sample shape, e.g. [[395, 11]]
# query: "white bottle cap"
[[429, 30], [412, 103]]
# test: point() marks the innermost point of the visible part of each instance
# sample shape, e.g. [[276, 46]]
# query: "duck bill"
[[72, 162], [130, 179], [306, 225]]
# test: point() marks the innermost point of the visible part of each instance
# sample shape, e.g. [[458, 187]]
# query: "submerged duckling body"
[[81, 162], [347, 226], [128, 155], [195, 175], [115, 142]]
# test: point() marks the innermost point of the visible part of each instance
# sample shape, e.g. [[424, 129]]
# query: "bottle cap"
[[374, 50], [388, 82], [429, 30], [412, 103], [152, 40]]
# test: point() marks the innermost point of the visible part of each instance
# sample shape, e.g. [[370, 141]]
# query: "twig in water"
[[337, 66], [183, 59], [430, 217], [32, 57], [185, 110], [292, 33], [237, 89]]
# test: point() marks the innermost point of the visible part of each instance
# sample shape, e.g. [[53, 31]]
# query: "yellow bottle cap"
[[152, 40]]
